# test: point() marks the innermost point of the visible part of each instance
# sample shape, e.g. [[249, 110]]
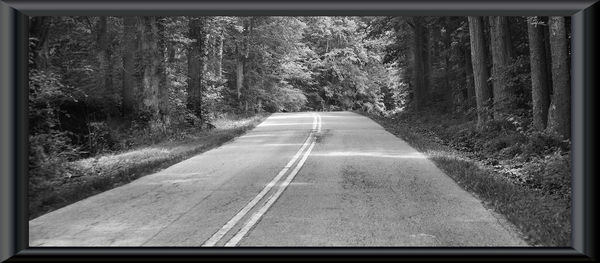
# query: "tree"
[[420, 88], [196, 64], [38, 35], [153, 75], [104, 55], [559, 117], [504, 94], [540, 93], [130, 86], [480, 73]]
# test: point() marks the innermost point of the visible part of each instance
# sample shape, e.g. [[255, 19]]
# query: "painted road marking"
[[256, 216], [233, 221]]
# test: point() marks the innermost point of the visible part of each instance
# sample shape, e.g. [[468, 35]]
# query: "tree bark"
[[130, 89], [419, 90], [480, 72], [104, 55], [163, 87], [151, 79], [239, 72], [540, 94], [504, 94], [548, 55], [196, 61], [243, 52], [469, 81], [448, 92], [559, 117], [38, 29], [220, 56], [427, 57]]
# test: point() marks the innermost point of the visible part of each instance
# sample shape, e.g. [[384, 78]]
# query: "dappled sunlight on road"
[[245, 144], [415, 155], [138, 155], [290, 116], [284, 124]]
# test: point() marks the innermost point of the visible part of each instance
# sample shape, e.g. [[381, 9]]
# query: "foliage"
[[49, 146]]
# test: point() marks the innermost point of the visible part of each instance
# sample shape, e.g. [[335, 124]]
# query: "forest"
[[494, 89]]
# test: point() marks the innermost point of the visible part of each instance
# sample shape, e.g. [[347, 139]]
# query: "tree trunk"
[[504, 94], [559, 117], [548, 55], [130, 89], [448, 92], [540, 94], [419, 90], [239, 72], [480, 72], [469, 82], [38, 29], [196, 66], [427, 57], [220, 56], [104, 54], [163, 87], [152, 58]]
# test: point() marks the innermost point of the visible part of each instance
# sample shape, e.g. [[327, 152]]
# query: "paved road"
[[297, 179]]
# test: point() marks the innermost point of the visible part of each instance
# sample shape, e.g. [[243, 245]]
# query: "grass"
[[90, 176], [535, 197]]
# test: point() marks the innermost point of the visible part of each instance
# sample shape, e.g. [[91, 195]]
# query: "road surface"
[[297, 179]]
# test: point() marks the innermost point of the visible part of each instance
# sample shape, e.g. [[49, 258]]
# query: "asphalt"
[[297, 179]]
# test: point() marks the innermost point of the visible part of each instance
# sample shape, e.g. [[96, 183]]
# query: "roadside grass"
[[532, 199], [86, 177]]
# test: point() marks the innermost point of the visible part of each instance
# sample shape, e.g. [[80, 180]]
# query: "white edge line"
[[256, 216], [215, 238]]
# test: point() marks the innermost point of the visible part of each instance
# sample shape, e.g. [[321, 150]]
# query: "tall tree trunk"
[[419, 90], [559, 117], [130, 89], [243, 52], [469, 82], [151, 79], [196, 63], [38, 30], [171, 52], [504, 94], [480, 72], [163, 87], [448, 92], [540, 94], [427, 57], [239, 72], [548, 55], [104, 54], [220, 56]]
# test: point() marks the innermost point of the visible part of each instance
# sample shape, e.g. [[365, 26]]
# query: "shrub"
[[48, 154], [551, 174], [100, 138]]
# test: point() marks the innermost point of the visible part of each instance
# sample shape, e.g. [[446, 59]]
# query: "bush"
[[48, 154], [551, 174], [497, 143], [100, 138]]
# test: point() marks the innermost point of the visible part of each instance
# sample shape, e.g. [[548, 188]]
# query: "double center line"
[[252, 220]]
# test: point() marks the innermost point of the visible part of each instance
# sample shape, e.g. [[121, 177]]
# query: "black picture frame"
[[13, 136]]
